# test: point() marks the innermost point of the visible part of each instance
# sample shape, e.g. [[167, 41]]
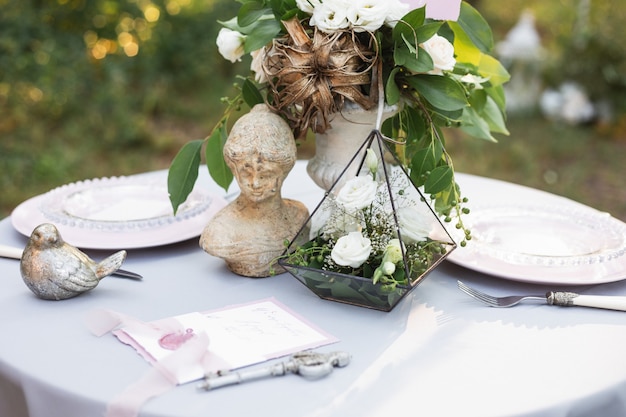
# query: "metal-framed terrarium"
[[373, 237]]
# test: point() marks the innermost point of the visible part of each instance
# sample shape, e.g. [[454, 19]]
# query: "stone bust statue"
[[249, 233]]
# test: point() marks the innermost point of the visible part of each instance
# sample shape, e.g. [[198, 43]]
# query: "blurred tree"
[[81, 77], [583, 44]]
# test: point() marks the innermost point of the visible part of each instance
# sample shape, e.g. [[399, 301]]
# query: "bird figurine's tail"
[[111, 264]]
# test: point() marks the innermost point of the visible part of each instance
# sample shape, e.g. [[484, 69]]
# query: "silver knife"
[[16, 253]]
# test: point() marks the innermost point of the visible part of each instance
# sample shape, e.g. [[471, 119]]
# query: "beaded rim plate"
[[560, 244], [118, 212], [119, 204]]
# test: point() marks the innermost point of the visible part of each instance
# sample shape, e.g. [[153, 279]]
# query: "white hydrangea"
[[396, 11], [367, 15], [331, 16], [361, 15]]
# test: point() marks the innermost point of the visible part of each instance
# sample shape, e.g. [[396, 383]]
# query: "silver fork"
[[556, 298], [492, 301]]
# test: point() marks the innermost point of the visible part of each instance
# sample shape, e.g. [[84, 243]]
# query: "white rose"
[[416, 223], [351, 250], [331, 16], [230, 44], [256, 66], [442, 53], [397, 10], [307, 6], [357, 193], [367, 15]]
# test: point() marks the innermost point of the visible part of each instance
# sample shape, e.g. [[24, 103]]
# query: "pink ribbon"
[[438, 9], [163, 376]]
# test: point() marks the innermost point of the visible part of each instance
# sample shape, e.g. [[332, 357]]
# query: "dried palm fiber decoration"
[[309, 78]]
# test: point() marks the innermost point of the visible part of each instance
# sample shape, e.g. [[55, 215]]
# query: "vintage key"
[[307, 364]]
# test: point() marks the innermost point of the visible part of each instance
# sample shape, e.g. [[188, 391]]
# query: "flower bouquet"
[[430, 58], [371, 239]]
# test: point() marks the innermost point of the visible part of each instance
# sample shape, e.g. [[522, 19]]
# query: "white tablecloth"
[[439, 353]]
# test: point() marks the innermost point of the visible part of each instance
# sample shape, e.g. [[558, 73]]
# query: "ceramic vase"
[[335, 148]]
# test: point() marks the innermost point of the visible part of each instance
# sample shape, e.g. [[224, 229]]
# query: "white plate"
[[546, 235], [118, 212], [531, 236]]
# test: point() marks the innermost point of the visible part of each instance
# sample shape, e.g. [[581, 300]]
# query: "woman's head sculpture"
[[249, 233]]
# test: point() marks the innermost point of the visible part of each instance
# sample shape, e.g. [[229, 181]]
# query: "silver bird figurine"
[[56, 270]]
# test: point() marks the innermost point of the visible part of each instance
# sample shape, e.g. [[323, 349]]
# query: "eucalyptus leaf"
[[478, 99], [476, 27], [497, 95], [424, 161], [251, 94], [441, 92], [491, 68], [421, 163], [392, 92], [405, 28], [476, 126], [465, 49], [446, 198], [263, 32], [447, 118], [231, 24], [250, 12], [414, 121], [409, 126], [183, 172], [428, 30], [214, 152], [289, 15], [439, 179], [414, 61], [494, 117], [401, 54], [408, 45], [446, 32]]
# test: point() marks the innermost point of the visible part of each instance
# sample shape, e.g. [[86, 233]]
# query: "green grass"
[[575, 162]]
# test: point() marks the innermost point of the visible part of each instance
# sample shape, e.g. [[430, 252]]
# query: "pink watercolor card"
[[238, 336]]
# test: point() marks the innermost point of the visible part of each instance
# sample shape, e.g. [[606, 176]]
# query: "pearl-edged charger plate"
[[118, 212], [527, 235]]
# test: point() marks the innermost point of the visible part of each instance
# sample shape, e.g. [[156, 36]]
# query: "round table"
[[438, 353]]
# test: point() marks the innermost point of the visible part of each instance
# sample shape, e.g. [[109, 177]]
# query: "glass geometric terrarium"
[[372, 238]]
